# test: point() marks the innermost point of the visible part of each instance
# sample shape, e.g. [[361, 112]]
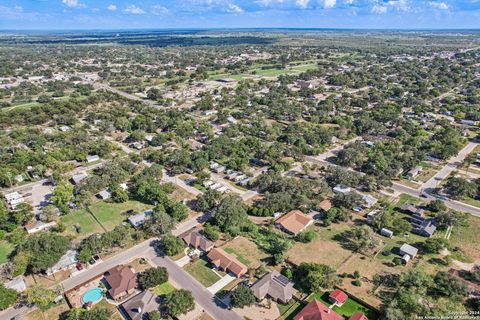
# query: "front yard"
[[202, 271], [163, 289]]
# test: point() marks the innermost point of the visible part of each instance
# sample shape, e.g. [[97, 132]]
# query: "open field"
[[111, 214], [323, 249], [245, 251], [467, 240], [52, 313], [201, 271], [84, 219]]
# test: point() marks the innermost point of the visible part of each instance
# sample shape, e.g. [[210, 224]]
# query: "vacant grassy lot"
[[467, 240], [201, 271], [349, 307], [323, 249], [163, 289], [84, 219], [246, 252], [5, 249], [111, 215]]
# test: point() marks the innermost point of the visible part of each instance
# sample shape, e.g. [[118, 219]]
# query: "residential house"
[[77, 178], [92, 158], [386, 232], [66, 262], [342, 189], [408, 252], [276, 286], [369, 200], [18, 284], [424, 227], [195, 239], [338, 297], [104, 194], [294, 222], [226, 262], [315, 310], [358, 316], [414, 172], [138, 307], [325, 205], [121, 281], [302, 84], [14, 199], [37, 226], [139, 219]]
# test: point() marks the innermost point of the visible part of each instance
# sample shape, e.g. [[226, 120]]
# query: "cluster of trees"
[[104, 242]]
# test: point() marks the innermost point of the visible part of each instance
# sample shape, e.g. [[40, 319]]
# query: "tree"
[[154, 315], [119, 195], [43, 250], [242, 297], [348, 201], [231, 214], [211, 231], [41, 296], [450, 286], [172, 245], [179, 302], [152, 277], [313, 276], [435, 245], [160, 224], [23, 213], [8, 297], [361, 238], [62, 195], [437, 206], [459, 188], [98, 313], [306, 236]]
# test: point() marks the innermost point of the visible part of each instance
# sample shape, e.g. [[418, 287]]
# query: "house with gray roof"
[[139, 219], [67, 261], [18, 284], [138, 307], [276, 286]]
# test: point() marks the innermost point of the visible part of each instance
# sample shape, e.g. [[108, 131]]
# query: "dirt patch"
[[264, 310]]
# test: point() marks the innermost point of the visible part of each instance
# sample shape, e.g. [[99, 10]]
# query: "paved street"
[[451, 166]]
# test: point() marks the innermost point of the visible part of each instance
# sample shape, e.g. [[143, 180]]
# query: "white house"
[[342, 189], [92, 158], [66, 262]]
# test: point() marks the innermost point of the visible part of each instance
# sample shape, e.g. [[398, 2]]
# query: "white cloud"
[[328, 4], [378, 9], [348, 1], [438, 5], [112, 7], [73, 4], [133, 9], [401, 5], [302, 3], [159, 10], [233, 8], [17, 13]]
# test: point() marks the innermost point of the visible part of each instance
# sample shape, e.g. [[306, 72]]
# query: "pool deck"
[[75, 295]]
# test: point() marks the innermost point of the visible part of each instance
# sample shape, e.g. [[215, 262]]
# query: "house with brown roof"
[[316, 310], [226, 262], [276, 286], [338, 297], [195, 239], [121, 281], [294, 222], [138, 307], [325, 205]]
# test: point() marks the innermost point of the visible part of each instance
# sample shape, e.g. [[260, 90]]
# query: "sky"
[[200, 14]]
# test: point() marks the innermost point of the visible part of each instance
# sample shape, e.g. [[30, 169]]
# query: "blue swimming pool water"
[[93, 295]]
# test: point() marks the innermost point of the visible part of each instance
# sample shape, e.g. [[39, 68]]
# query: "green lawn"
[[5, 249], [349, 307], [239, 256], [111, 215], [84, 219], [163, 289], [201, 271], [289, 310]]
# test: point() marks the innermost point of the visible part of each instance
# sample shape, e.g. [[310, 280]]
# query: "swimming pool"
[[94, 295]]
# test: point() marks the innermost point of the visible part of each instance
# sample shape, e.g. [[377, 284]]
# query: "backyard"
[[246, 252], [84, 220], [111, 215], [347, 309], [5, 249]]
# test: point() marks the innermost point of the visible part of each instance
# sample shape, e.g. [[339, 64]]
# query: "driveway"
[[217, 286], [203, 297]]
